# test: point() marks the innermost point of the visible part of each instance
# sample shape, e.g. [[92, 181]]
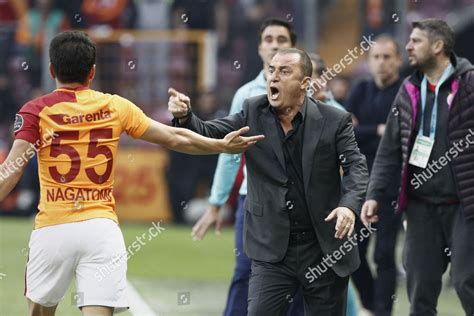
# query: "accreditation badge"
[[421, 152]]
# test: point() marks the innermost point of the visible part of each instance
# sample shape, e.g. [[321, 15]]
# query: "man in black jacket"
[[430, 136], [294, 199]]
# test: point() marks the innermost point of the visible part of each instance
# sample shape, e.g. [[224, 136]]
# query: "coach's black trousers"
[[272, 285], [437, 235]]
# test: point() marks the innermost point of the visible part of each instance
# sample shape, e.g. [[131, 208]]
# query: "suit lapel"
[[271, 133], [313, 128]]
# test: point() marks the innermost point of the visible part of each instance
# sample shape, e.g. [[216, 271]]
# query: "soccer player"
[[75, 131]]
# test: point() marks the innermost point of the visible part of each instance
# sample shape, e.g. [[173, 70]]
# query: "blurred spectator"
[[339, 86], [194, 14], [321, 93], [435, 8], [8, 106], [255, 11], [114, 13], [153, 14], [380, 17], [370, 102], [153, 72], [116, 59], [72, 10], [11, 13], [42, 22]]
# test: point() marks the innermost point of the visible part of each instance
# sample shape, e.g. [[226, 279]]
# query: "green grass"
[[173, 254], [168, 264]]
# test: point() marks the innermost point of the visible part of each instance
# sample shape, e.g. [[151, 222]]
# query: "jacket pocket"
[[254, 208]]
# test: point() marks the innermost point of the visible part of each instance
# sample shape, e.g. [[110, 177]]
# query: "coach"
[[294, 200]]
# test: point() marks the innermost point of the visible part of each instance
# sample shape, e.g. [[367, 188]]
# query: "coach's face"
[[274, 37], [285, 83]]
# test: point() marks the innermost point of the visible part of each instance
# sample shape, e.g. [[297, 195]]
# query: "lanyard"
[[434, 113]]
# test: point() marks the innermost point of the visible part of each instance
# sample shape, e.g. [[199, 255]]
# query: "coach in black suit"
[[296, 215]]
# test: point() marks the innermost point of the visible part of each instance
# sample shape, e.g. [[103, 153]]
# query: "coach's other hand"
[[235, 143], [345, 221]]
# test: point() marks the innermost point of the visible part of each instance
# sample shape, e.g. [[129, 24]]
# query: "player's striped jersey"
[[76, 132]]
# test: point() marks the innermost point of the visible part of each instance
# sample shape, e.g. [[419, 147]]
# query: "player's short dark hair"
[[72, 55], [437, 30], [279, 22], [305, 61]]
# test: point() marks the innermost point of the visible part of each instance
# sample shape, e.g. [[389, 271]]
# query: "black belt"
[[302, 236]]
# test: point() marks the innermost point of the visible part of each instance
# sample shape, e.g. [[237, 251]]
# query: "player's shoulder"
[[29, 115], [118, 99], [36, 105], [99, 96], [114, 101]]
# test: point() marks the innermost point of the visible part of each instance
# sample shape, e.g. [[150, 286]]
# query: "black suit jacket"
[[329, 144]]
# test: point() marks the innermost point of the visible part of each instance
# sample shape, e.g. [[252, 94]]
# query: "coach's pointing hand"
[[179, 104]]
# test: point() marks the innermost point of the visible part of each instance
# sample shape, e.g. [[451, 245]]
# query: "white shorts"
[[93, 251]]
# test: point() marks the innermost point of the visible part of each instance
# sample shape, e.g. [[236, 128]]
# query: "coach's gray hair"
[[305, 61]]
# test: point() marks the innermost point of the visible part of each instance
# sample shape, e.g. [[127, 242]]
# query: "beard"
[[429, 62]]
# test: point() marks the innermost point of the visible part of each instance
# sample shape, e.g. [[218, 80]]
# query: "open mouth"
[[274, 93]]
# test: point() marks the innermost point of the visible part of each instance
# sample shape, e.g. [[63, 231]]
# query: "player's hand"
[[178, 104], [209, 218], [345, 221], [235, 143], [369, 212]]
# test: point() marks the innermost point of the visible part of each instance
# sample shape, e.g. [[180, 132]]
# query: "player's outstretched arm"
[[13, 167], [186, 141]]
